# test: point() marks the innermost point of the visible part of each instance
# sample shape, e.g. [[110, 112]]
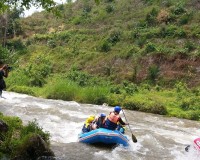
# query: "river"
[[159, 137]]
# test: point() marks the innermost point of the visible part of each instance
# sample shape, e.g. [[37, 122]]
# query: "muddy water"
[[159, 138]]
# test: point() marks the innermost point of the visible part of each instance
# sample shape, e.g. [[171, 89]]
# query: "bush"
[[79, 77], [185, 19], [158, 108], [177, 10], [51, 43], [109, 8], [114, 37], [37, 70], [153, 72], [141, 41], [190, 46], [16, 44], [104, 46], [4, 54], [151, 17], [33, 127], [169, 31], [150, 47]]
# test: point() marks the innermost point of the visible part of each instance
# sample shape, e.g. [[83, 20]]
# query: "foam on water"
[[158, 137]]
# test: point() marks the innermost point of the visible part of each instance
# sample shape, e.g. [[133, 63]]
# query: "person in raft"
[[113, 118], [99, 121], [88, 124]]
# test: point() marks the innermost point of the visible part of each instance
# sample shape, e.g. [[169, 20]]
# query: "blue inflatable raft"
[[105, 136]]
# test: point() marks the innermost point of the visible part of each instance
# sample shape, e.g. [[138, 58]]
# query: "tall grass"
[[67, 90]]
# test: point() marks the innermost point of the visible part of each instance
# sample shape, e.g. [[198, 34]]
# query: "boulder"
[[35, 148]]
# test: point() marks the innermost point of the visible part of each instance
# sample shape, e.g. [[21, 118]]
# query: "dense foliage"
[[143, 55], [15, 139]]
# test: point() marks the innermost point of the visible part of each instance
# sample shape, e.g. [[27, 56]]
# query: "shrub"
[[153, 72], [114, 37], [33, 127], [150, 47], [181, 33], [87, 8], [130, 88], [130, 52], [141, 41], [51, 43], [145, 106], [77, 20], [158, 108], [177, 10], [4, 53], [16, 44], [115, 89], [169, 31], [81, 78], [104, 46], [185, 19], [193, 115], [190, 46], [151, 17], [109, 8], [37, 70], [135, 34]]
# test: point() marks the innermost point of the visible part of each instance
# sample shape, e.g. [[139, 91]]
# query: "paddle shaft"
[[133, 137]]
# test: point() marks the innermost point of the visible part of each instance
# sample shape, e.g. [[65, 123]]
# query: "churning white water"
[[159, 138]]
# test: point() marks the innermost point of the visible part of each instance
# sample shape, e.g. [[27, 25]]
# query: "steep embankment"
[[122, 40]]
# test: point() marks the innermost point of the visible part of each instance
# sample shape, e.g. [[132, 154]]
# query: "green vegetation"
[[16, 138], [143, 55]]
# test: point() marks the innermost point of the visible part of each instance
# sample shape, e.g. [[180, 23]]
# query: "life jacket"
[[197, 143], [111, 121]]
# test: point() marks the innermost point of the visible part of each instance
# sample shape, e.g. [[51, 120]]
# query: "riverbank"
[[179, 101], [22, 142]]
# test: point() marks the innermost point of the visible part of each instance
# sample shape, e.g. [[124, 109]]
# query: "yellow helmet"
[[90, 119]]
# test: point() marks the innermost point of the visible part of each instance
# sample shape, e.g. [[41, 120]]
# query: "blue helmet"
[[117, 109], [102, 115]]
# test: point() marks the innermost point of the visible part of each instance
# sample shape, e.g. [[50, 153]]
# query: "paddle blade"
[[134, 139]]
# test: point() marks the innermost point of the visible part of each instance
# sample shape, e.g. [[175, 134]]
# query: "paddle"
[[133, 137]]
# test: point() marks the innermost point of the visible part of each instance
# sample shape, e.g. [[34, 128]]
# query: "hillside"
[[114, 52], [122, 39]]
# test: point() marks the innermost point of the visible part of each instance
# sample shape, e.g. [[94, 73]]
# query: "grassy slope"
[[119, 41]]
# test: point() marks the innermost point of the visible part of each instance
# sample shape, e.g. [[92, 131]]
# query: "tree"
[[46, 4]]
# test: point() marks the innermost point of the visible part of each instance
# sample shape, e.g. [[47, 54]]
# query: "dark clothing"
[[2, 82], [100, 123], [86, 129], [111, 125]]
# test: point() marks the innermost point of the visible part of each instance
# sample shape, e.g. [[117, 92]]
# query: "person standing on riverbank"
[[3, 73]]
